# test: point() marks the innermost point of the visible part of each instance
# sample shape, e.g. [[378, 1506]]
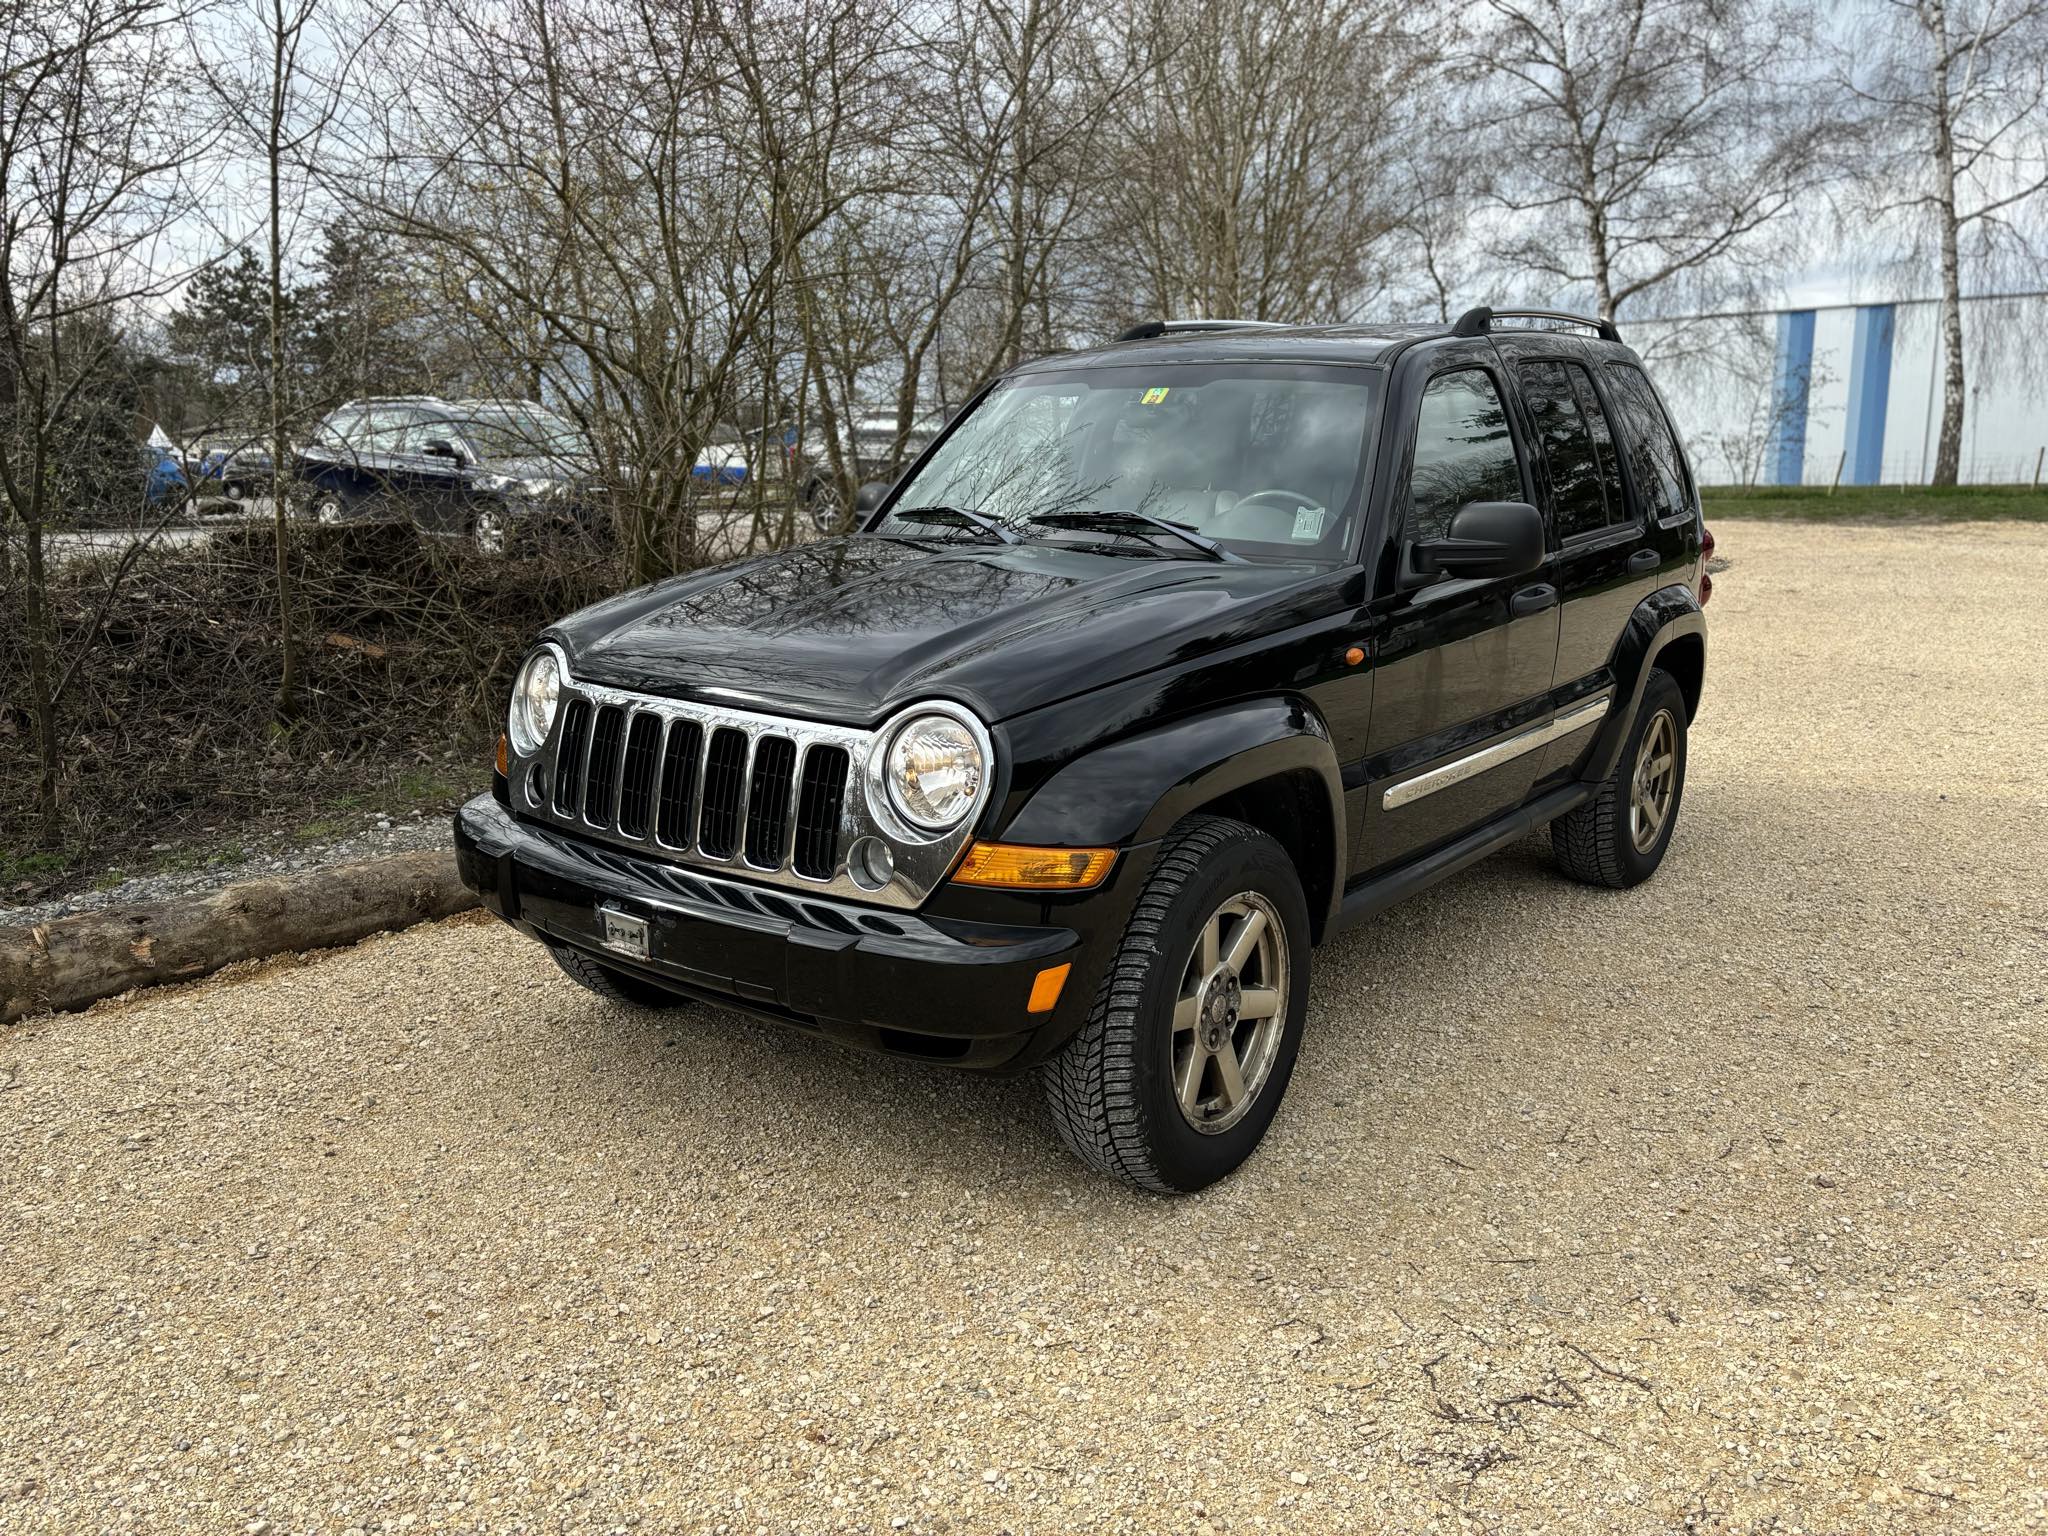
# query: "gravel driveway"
[[1717, 1205]]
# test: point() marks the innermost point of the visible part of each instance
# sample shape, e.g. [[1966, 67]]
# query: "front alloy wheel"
[[489, 531], [1228, 1023], [1180, 1067]]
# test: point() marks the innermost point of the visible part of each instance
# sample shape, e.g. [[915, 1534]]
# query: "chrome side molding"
[[1577, 718]]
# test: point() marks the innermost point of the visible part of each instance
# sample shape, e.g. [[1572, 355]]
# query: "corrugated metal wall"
[[1796, 396]]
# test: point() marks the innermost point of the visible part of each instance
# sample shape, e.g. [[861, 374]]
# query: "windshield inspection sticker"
[[1154, 396], [1308, 523]]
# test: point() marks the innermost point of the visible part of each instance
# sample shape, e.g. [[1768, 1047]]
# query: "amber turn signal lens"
[[1045, 988], [1009, 867], [504, 762]]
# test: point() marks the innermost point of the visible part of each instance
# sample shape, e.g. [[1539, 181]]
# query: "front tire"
[[1617, 838], [1181, 1066], [611, 984]]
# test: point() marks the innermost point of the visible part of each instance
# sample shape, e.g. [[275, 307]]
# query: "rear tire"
[[1617, 838], [614, 985], [1220, 933]]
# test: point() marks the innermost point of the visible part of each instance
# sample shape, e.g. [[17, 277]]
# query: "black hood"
[[849, 629]]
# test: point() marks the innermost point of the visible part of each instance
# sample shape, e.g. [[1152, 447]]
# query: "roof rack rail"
[[1146, 330], [1478, 321]]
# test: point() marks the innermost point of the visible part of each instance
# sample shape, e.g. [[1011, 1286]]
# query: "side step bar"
[[1382, 891]]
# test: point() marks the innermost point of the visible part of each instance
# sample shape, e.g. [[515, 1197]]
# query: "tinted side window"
[[1575, 468], [1653, 457], [383, 429], [1603, 440], [421, 429], [339, 427], [1463, 451]]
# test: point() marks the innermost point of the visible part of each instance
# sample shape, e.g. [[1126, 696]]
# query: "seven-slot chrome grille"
[[772, 799]]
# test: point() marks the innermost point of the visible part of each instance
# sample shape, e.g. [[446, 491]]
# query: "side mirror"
[[1487, 540], [870, 496], [440, 448]]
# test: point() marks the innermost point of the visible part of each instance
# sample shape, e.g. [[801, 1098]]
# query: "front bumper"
[[937, 988]]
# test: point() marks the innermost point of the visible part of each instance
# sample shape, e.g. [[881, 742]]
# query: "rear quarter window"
[[1655, 463]]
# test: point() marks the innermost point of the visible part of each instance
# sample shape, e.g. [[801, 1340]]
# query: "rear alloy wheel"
[[1653, 787], [613, 984], [328, 512], [1181, 1065], [1618, 837]]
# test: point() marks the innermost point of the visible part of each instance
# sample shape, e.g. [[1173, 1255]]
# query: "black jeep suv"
[[1162, 663]]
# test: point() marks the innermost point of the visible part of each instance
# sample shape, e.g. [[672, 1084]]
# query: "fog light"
[[871, 864]]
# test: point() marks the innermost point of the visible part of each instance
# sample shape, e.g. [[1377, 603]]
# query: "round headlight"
[[934, 772], [534, 697]]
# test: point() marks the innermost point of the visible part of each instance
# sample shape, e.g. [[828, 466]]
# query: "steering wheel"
[[1279, 490]]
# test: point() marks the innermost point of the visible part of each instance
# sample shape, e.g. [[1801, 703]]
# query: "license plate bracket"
[[623, 933]]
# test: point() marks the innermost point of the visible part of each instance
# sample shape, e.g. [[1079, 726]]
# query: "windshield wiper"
[[958, 517], [1140, 523]]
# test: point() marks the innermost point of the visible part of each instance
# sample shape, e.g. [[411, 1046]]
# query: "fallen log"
[[74, 961]]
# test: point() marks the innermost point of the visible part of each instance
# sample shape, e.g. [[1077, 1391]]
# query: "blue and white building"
[[1800, 395]]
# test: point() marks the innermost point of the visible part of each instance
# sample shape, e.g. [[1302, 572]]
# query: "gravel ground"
[[1714, 1206]]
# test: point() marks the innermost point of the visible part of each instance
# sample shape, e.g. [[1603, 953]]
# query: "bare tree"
[[1948, 100], [1256, 174], [282, 106], [620, 188], [1641, 147], [943, 273], [96, 167]]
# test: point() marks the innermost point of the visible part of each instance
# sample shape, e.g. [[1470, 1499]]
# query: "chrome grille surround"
[[920, 860]]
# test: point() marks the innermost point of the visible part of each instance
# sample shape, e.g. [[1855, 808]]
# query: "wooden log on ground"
[[74, 961]]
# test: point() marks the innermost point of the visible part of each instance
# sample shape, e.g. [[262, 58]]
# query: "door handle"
[[1644, 561], [1532, 600]]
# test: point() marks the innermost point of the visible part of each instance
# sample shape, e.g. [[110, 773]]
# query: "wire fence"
[[1902, 471]]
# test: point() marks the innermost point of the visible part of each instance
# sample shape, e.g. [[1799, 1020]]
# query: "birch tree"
[[1639, 147], [1948, 100]]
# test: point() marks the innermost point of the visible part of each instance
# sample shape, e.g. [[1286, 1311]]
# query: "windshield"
[[1264, 459], [523, 435]]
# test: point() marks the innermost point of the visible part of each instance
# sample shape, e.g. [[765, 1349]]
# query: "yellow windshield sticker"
[[1154, 396]]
